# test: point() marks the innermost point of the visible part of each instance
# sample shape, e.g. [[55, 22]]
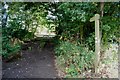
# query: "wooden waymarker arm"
[[96, 17], [92, 19]]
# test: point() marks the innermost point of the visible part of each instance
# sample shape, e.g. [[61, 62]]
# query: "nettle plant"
[[73, 59]]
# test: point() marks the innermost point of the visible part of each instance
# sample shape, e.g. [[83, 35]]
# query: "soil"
[[34, 63]]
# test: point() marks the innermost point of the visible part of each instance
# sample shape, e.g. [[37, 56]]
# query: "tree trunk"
[[101, 15], [101, 8]]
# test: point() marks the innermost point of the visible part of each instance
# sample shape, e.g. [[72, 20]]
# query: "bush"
[[74, 59], [10, 47], [90, 41]]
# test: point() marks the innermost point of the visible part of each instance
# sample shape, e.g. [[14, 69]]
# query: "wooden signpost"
[[97, 40]]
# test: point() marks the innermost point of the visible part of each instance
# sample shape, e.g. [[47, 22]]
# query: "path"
[[110, 68], [35, 63]]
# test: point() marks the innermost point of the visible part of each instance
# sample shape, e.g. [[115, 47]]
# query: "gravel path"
[[35, 63], [110, 68]]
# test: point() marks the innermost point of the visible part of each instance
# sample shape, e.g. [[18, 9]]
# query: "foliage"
[[22, 23], [72, 26], [90, 41], [73, 22], [9, 48], [111, 25], [73, 58], [73, 19], [14, 31]]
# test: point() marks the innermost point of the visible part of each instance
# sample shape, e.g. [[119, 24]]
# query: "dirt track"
[[35, 63]]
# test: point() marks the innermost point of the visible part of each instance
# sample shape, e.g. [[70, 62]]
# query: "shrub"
[[74, 59], [9, 47]]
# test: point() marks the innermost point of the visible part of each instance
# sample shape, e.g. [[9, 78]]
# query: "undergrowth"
[[73, 58]]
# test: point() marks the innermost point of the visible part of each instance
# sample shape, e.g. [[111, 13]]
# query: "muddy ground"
[[34, 63]]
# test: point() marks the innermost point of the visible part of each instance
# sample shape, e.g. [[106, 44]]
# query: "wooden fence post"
[[97, 41]]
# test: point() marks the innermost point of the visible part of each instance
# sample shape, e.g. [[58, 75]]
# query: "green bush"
[[90, 41], [74, 59], [15, 30], [9, 48]]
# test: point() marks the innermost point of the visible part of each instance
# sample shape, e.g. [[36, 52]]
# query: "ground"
[[108, 67], [40, 63], [34, 63]]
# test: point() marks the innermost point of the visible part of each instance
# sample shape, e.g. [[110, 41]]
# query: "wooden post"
[[97, 40]]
